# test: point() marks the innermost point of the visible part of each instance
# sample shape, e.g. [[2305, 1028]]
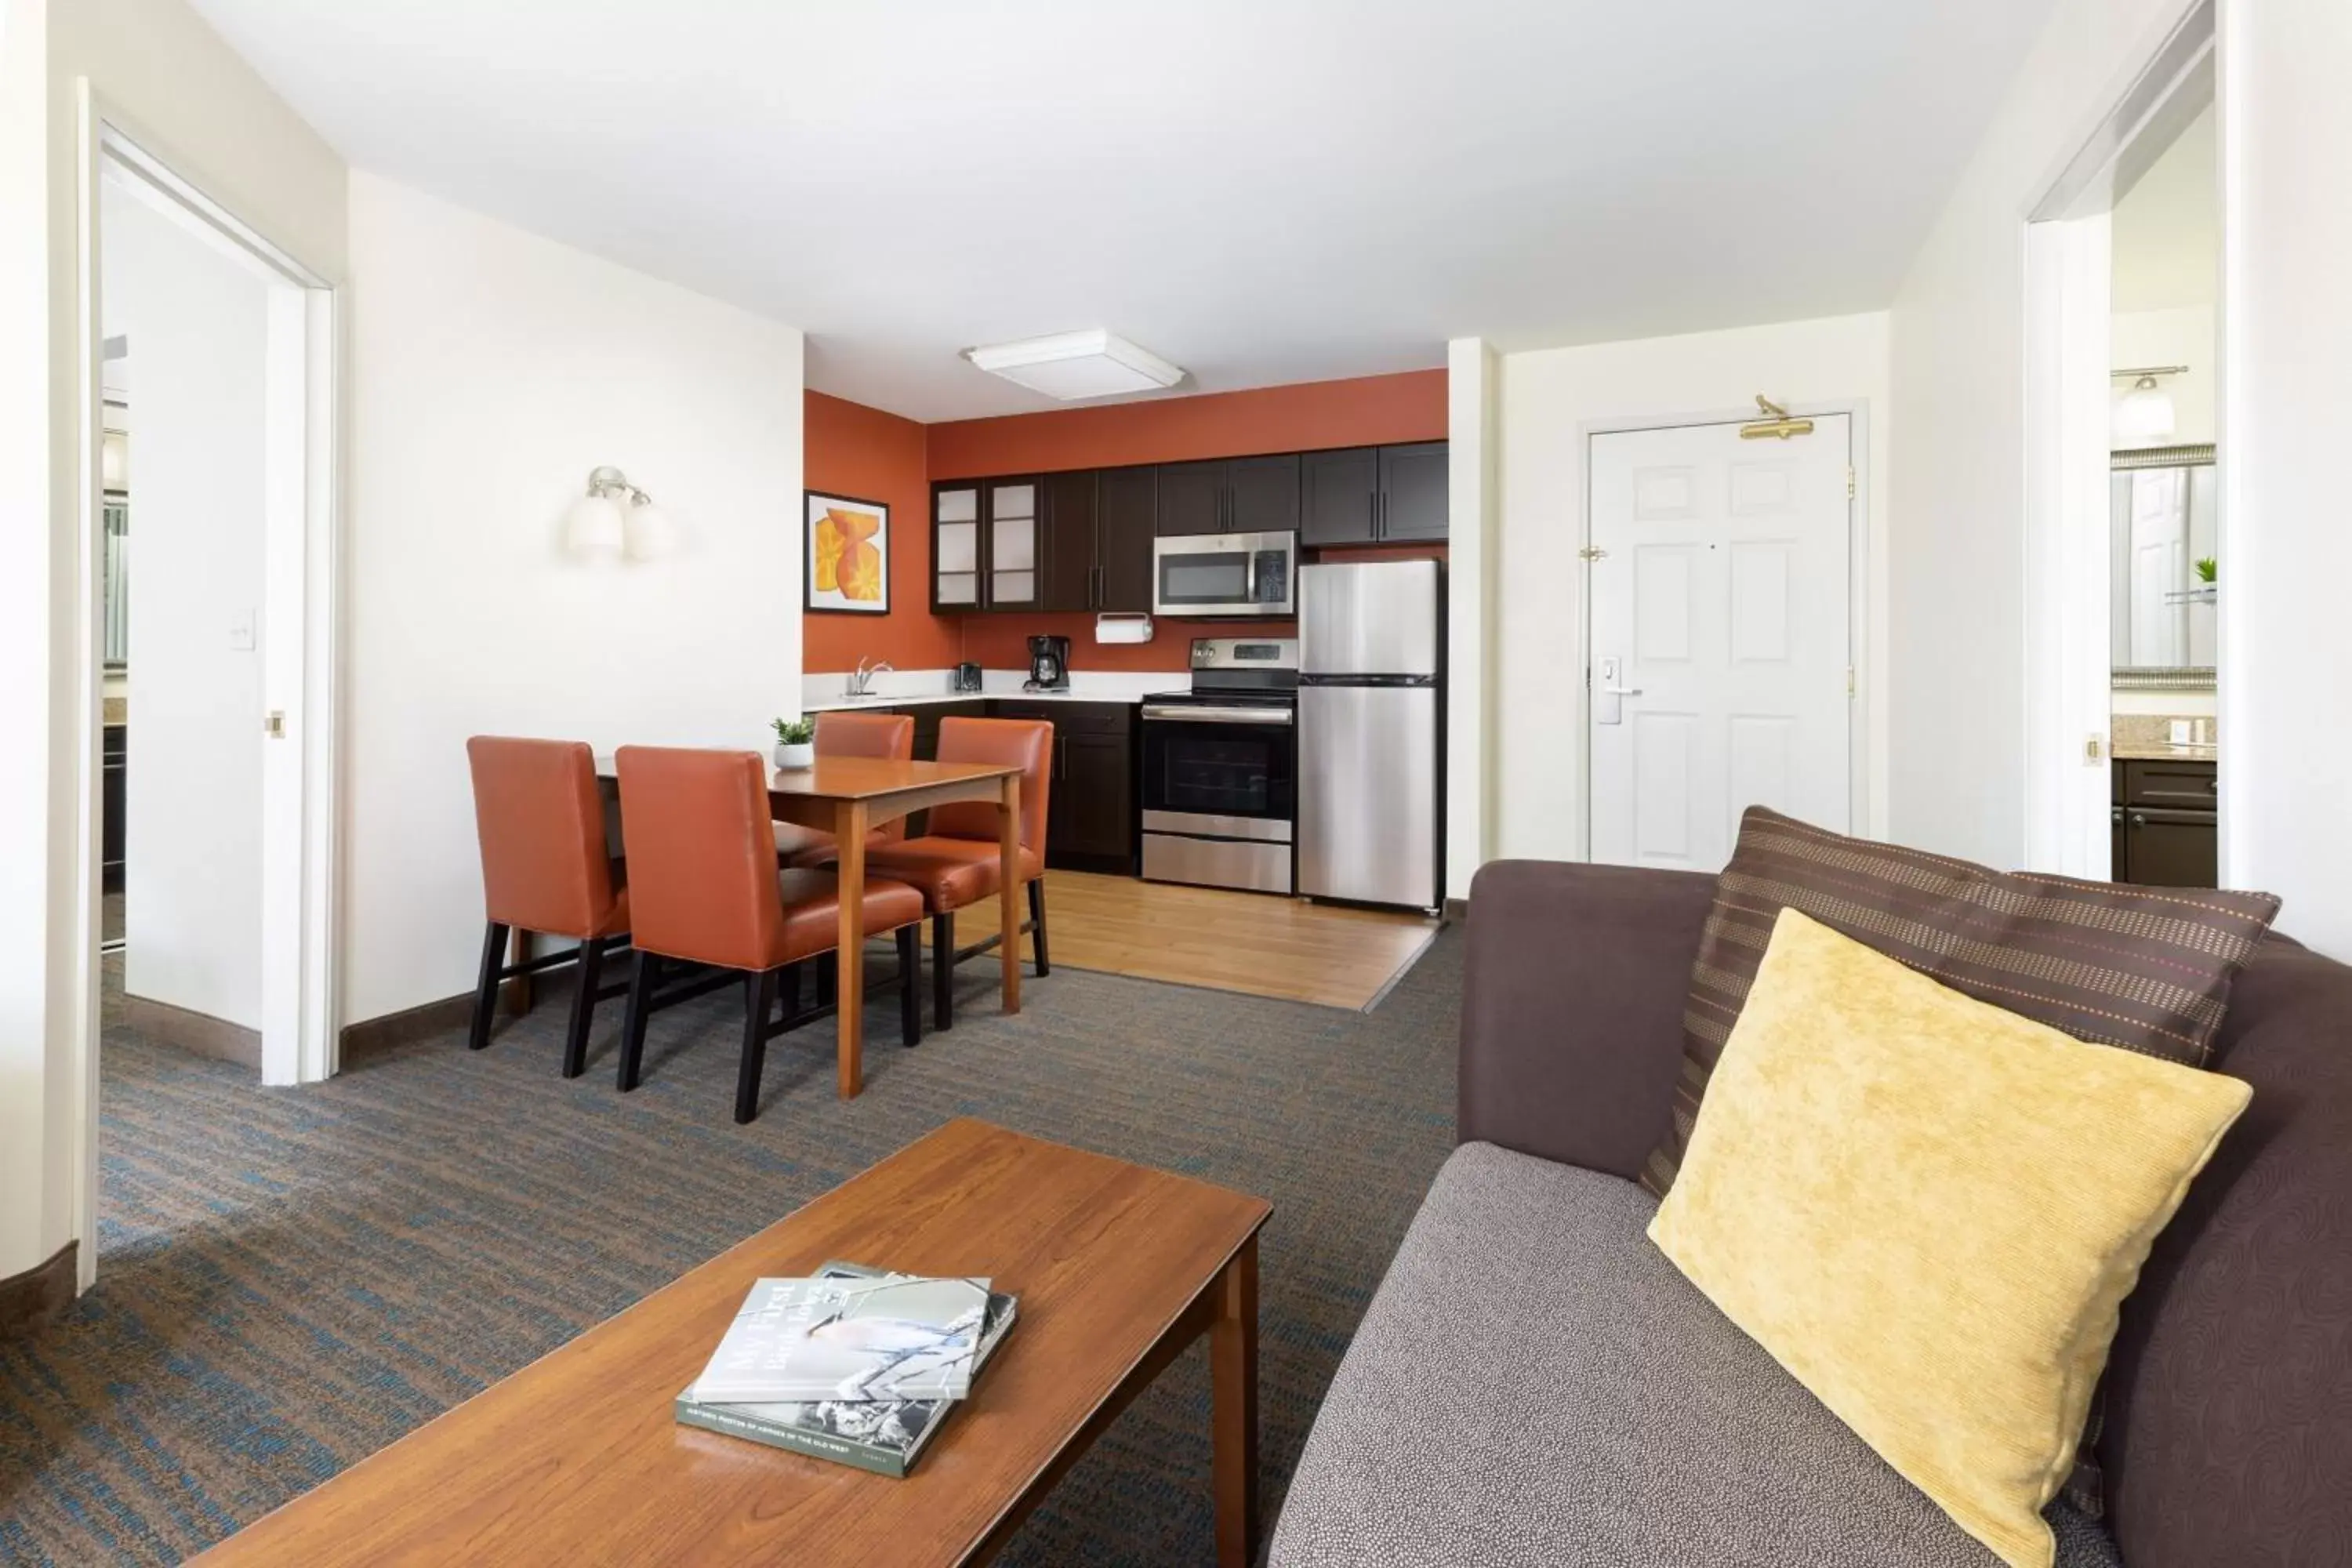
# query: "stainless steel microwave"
[[1224, 574]]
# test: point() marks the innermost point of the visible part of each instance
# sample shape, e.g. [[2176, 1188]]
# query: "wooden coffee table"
[[575, 1459]]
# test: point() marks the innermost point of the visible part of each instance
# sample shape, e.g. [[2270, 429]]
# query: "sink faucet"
[[867, 672]]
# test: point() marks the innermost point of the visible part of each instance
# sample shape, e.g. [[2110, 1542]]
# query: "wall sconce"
[[602, 528], [2144, 415]]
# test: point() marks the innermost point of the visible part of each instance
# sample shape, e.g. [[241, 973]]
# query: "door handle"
[[1608, 697]]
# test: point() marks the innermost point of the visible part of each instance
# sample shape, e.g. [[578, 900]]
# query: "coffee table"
[[575, 1459]]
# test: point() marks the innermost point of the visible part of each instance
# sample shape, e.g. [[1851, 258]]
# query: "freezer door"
[[1368, 793], [1368, 617]]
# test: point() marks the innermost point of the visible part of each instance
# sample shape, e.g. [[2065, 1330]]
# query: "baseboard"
[[374, 1036], [32, 1300], [193, 1031]]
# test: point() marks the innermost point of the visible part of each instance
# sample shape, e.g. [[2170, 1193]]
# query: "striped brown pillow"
[[2147, 969]]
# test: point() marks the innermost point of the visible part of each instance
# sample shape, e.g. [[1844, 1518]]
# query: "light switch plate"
[[2179, 730]]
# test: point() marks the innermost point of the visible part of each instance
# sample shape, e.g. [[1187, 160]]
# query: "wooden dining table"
[[851, 796]]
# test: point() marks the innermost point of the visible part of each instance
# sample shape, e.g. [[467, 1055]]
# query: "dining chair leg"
[[759, 1003], [828, 984], [485, 995], [633, 1031], [585, 976], [1037, 925], [943, 971], [910, 965]]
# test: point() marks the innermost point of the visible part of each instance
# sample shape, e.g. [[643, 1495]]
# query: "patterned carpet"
[[292, 1278]]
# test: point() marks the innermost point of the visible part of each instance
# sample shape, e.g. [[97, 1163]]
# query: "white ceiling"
[[1263, 191]]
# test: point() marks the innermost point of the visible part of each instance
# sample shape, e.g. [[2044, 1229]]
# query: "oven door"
[[1224, 574], [1218, 789]]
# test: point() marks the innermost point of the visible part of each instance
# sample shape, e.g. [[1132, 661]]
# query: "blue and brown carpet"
[[292, 1278]]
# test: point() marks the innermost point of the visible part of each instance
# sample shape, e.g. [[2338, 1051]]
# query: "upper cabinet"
[[1127, 502], [1014, 581], [1373, 495], [1069, 541], [1230, 495], [955, 547]]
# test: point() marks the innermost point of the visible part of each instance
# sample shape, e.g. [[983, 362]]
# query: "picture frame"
[[844, 554]]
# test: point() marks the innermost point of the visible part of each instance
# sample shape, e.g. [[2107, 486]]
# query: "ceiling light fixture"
[[2145, 414], [600, 528], [1072, 366]]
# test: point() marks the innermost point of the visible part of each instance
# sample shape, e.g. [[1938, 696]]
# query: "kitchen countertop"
[[2128, 753], [918, 700]]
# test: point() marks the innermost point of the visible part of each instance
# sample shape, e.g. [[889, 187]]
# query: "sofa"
[[1534, 1383]]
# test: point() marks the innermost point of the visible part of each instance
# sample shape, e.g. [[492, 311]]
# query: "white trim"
[[309, 345], [1859, 804]]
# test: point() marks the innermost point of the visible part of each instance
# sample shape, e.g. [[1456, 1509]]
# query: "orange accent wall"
[[858, 451], [1366, 412], [861, 451]]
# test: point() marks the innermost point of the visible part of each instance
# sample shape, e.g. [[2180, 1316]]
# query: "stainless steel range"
[[1221, 768]]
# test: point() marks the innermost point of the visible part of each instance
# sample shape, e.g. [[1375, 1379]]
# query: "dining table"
[[851, 796]]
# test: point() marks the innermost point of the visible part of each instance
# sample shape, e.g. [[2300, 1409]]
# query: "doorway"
[[2126, 562], [209, 444], [1723, 632]]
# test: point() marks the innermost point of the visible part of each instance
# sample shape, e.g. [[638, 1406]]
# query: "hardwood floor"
[[1251, 942]]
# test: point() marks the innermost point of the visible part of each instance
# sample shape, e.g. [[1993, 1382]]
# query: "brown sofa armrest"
[[1572, 1007]]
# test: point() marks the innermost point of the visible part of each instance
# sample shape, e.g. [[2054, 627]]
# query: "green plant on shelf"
[[794, 731], [2205, 568]]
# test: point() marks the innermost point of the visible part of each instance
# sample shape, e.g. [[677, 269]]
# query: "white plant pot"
[[801, 756]]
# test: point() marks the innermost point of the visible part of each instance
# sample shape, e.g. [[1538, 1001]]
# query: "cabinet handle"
[[1372, 512], [1381, 529], [2138, 820]]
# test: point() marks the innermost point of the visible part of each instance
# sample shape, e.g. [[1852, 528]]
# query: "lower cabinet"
[[2166, 832], [1090, 811]]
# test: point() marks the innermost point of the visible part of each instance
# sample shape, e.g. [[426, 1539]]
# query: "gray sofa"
[[1534, 1383]]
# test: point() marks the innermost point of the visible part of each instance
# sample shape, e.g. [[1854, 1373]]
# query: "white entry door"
[[1720, 654]]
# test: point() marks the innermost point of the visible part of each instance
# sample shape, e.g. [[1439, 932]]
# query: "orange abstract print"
[[846, 562]]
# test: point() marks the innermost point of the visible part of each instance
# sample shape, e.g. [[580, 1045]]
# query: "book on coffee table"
[[846, 1336], [884, 1435]]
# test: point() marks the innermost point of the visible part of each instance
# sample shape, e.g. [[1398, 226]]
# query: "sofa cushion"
[[1534, 1382]]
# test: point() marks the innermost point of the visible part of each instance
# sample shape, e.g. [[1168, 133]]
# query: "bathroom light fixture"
[[2145, 413], [602, 528], [1072, 366]]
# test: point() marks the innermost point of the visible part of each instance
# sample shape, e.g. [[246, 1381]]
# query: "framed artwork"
[[846, 564]]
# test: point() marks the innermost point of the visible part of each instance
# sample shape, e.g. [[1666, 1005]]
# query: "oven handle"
[[1218, 715]]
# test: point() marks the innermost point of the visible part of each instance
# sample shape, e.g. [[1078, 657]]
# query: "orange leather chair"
[[544, 868], [956, 863], [888, 735], [705, 890]]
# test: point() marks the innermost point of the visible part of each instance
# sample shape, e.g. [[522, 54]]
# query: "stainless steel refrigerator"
[[1371, 649]]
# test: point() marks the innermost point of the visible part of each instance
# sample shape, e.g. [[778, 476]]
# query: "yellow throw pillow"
[[1928, 1210]]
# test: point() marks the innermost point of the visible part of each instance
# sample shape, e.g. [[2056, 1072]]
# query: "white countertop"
[[921, 699], [822, 692]]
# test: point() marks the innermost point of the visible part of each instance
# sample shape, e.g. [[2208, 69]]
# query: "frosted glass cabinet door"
[[955, 547], [1012, 544]]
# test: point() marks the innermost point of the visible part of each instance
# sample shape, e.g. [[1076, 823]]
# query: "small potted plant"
[[795, 743]]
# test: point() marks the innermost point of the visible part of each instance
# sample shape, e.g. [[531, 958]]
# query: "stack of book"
[[852, 1364]]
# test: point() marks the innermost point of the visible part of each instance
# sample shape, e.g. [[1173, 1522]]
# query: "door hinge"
[[1592, 553], [1849, 680], [273, 726], [1849, 481]]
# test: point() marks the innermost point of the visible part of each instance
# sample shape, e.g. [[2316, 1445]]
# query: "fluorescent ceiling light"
[[1075, 365]]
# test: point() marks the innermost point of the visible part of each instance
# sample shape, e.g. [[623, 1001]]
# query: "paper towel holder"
[[1122, 625]]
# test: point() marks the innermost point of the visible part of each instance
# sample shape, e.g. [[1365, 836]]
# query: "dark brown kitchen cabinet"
[[2166, 827], [1125, 503], [1068, 547], [1090, 811], [1339, 496], [1229, 495], [1414, 491]]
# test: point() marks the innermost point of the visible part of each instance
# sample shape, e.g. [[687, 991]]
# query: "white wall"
[[198, 324], [1474, 426], [1549, 397], [493, 370], [2286, 661], [1955, 755], [163, 73]]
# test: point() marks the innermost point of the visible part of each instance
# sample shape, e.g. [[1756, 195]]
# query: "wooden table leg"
[[518, 992], [849, 984], [1233, 1416], [1008, 902]]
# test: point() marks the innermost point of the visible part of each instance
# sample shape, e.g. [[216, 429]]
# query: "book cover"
[[884, 1436], [849, 1336]]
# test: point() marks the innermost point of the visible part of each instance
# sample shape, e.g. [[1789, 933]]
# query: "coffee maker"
[[1049, 665]]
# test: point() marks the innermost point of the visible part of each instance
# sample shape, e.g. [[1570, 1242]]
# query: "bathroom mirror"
[[2161, 619]]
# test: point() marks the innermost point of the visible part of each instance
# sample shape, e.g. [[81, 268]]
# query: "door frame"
[[1858, 699], [2068, 656], [301, 631]]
